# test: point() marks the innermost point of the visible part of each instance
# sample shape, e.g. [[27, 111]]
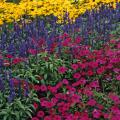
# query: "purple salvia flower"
[[12, 91]]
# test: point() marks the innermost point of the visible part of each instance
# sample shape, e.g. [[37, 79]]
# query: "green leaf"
[[20, 105], [5, 117], [29, 114], [47, 65], [45, 76], [32, 107], [3, 113], [17, 115], [51, 67], [28, 109], [48, 94], [36, 99], [42, 82], [34, 79]]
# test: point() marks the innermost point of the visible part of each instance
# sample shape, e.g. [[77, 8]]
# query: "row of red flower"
[[79, 97]]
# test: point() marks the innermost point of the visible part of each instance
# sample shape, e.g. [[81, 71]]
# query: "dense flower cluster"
[[13, 12], [40, 34], [90, 92], [71, 71]]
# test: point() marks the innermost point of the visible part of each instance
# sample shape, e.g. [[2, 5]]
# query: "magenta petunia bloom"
[[32, 51], [90, 73], [118, 77], [35, 105], [91, 102], [43, 88], [9, 56], [62, 69], [36, 87], [100, 70], [74, 66], [76, 75], [65, 81], [16, 60], [40, 114], [47, 118], [57, 117], [96, 113], [114, 97]]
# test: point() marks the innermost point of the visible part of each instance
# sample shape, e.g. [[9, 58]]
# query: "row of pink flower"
[[105, 62], [74, 98], [60, 105]]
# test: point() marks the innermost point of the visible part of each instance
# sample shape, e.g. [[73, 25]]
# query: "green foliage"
[[116, 32], [44, 66], [19, 109]]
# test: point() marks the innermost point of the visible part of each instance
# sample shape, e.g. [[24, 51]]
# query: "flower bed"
[[65, 71]]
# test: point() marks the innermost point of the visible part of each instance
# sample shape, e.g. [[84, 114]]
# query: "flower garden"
[[60, 60]]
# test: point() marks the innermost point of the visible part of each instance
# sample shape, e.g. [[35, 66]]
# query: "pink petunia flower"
[[115, 117], [32, 51], [106, 115], [78, 40], [52, 111], [91, 102], [52, 89], [100, 70], [54, 100], [118, 77], [84, 116], [94, 84], [116, 70], [115, 110], [43, 88], [9, 56], [93, 64], [62, 69], [48, 118], [36, 87], [100, 106], [43, 103], [74, 66], [90, 73], [75, 98], [76, 75], [40, 114], [96, 113], [118, 46], [65, 81], [59, 85], [49, 104], [114, 97], [35, 105], [88, 92], [57, 117], [16, 60]]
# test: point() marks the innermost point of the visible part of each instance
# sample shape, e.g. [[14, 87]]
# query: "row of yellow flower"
[[13, 12]]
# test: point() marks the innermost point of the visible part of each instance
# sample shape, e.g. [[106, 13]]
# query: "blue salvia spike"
[[22, 49], [11, 49], [59, 46], [12, 91]]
